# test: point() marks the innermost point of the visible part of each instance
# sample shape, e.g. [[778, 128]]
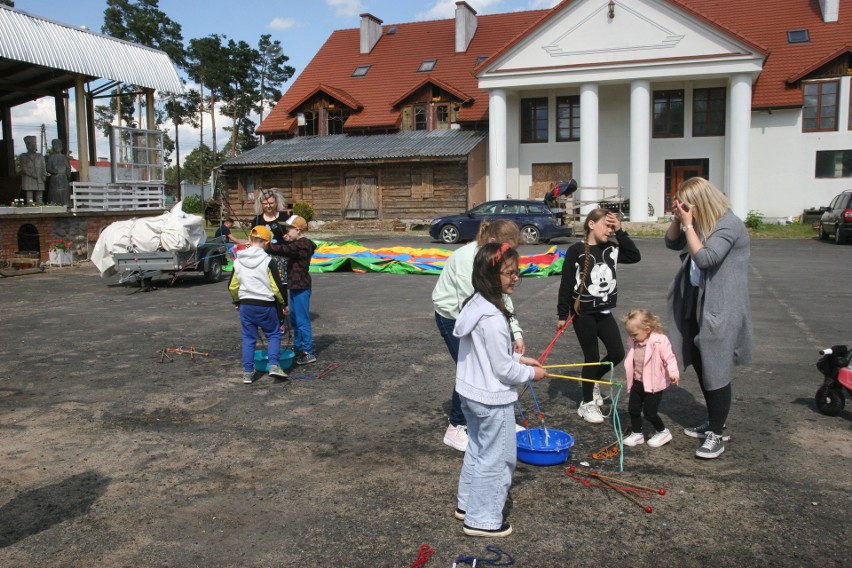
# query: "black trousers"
[[589, 329], [646, 403], [718, 401]]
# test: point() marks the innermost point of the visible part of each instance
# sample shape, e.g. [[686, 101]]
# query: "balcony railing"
[[132, 196]]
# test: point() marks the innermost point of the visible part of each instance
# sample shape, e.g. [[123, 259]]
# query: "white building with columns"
[[631, 97]]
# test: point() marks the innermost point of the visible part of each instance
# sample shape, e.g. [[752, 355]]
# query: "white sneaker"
[[456, 437], [596, 395], [635, 439], [660, 439], [589, 412]]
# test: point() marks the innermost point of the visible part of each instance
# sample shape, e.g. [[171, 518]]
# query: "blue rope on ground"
[[495, 561]]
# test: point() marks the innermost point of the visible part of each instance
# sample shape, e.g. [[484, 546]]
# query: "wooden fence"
[[117, 196]]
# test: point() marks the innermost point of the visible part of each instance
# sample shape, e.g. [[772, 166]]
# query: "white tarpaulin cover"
[[171, 231]]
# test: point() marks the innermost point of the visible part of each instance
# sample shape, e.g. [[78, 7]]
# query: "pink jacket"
[[660, 363]]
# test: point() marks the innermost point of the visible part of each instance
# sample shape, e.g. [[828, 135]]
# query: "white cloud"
[[281, 24], [346, 7], [543, 4]]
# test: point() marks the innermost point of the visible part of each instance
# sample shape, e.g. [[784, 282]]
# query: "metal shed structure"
[[40, 57]]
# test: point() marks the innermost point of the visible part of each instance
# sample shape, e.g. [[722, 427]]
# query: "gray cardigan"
[[725, 336]]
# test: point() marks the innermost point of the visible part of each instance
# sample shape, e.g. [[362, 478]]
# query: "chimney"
[[830, 10], [371, 32], [465, 26]]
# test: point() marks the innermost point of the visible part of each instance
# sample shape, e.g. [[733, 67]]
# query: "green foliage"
[[195, 168], [304, 209], [192, 204], [754, 220], [142, 21]]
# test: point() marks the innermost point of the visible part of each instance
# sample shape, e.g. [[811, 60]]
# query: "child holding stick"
[[588, 291], [651, 367], [489, 370]]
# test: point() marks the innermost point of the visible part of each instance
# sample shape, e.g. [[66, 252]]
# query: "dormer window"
[[798, 36], [361, 71], [427, 65]]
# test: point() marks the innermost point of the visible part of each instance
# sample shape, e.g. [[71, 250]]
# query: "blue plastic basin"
[[533, 450]]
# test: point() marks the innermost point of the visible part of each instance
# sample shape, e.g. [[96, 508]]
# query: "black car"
[[536, 221], [836, 219]]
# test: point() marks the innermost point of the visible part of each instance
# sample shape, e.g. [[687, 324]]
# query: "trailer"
[[143, 267]]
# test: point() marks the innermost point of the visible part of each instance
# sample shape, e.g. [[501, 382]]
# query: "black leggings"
[[718, 401], [646, 403], [590, 328]]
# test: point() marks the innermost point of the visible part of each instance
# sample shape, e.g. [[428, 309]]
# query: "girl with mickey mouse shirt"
[[588, 291]]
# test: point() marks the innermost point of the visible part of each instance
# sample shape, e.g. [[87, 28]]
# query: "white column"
[[497, 144], [82, 131], [640, 141], [588, 146], [739, 127]]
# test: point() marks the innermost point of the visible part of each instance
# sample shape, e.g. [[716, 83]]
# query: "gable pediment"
[[589, 33]]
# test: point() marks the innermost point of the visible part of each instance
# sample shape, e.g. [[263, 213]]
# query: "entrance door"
[[678, 171], [361, 199]]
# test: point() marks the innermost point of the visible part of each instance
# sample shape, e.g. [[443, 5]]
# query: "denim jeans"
[[445, 326], [486, 474], [266, 318], [300, 320]]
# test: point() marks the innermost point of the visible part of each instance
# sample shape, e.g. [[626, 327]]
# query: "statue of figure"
[[33, 172], [59, 168]]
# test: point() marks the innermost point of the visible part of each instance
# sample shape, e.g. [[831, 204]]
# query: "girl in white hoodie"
[[488, 373]]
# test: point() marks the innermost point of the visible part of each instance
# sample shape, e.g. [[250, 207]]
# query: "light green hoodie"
[[455, 286]]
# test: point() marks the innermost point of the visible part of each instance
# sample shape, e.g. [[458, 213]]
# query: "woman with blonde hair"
[[708, 301], [269, 207]]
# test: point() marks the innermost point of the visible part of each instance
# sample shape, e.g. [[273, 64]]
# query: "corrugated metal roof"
[[39, 41], [345, 147]]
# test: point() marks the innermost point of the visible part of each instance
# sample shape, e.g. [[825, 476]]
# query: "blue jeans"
[[445, 326], [486, 474], [300, 320], [266, 318]]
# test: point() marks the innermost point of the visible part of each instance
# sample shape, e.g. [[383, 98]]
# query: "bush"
[[754, 220], [192, 204], [304, 209]]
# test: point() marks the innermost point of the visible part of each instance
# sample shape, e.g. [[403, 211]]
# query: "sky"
[[302, 26]]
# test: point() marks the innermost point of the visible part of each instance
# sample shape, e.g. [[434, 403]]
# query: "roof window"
[[480, 59], [361, 70], [798, 36], [392, 30], [427, 65]]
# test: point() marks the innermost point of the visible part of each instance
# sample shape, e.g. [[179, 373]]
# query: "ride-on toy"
[[834, 365]]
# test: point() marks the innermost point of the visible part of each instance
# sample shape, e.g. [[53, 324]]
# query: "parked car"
[[536, 221], [836, 219]]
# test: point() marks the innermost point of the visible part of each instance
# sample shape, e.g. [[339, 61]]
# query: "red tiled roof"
[[766, 24], [763, 26], [393, 68]]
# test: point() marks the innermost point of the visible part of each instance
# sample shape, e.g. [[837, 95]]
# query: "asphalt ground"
[[113, 455]]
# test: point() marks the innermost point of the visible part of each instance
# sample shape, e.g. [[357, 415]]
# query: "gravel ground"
[[112, 456]]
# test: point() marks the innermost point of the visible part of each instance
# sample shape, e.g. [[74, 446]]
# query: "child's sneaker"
[[589, 412], [712, 447], [700, 432], [660, 439], [504, 530], [305, 359], [276, 372], [596, 395], [456, 437], [635, 439], [248, 377]]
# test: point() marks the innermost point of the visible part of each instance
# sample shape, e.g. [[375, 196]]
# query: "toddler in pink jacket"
[[651, 367]]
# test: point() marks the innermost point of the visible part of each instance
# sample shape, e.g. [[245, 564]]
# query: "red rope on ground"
[[423, 556]]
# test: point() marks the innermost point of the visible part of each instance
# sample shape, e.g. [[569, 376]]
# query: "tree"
[[142, 21], [9, 3], [192, 169], [208, 65], [273, 71]]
